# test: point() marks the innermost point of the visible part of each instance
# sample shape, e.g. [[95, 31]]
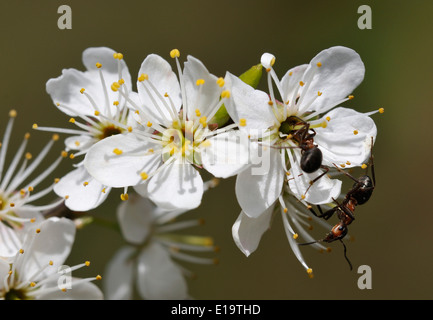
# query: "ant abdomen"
[[311, 160]]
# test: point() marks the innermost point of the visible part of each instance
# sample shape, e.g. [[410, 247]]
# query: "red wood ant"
[[359, 194]]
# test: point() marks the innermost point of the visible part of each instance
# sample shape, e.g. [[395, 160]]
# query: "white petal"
[[121, 170], [321, 192], [178, 186], [204, 96], [119, 275], [249, 104], [79, 142], [290, 82], [164, 80], [158, 277], [4, 270], [257, 192], [338, 142], [341, 71], [80, 291], [226, 154], [247, 231], [81, 190], [66, 88], [10, 242], [135, 218], [45, 249]]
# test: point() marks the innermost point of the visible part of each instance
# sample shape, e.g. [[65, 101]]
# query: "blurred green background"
[[393, 231]]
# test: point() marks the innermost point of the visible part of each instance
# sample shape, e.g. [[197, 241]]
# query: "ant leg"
[[317, 178], [345, 256], [325, 215], [347, 174], [372, 163]]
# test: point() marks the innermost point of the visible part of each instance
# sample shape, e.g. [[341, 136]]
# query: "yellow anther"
[[285, 210], [270, 103], [268, 70], [57, 104], [324, 124], [272, 62], [121, 81], [28, 155], [118, 55], [55, 137], [364, 166], [174, 53], [149, 124], [355, 132], [351, 97], [87, 263], [21, 251], [71, 156], [63, 289], [22, 192], [199, 82], [342, 165], [72, 120], [30, 189], [12, 113], [66, 197], [348, 163], [98, 65], [301, 83], [85, 183], [77, 143], [56, 180], [225, 94], [242, 122], [303, 197], [328, 118], [328, 249], [144, 175], [295, 236], [64, 154], [97, 113], [38, 230], [166, 95], [34, 126], [290, 73], [98, 277], [143, 77], [381, 110], [115, 103], [32, 220], [150, 150], [203, 121], [82, 90], [117, 151], [319, 93], [103, 190], [221, 82], [32, 284], [12, 204], [129, 129], [309, 271], [197, 112], [115, 86], [319, 64], [124, 197], [51, 262], [27, 136]]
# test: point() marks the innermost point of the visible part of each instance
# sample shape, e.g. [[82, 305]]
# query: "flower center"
[[16, 294], [108, 131]]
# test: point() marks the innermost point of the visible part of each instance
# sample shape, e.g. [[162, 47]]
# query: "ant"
[[359, 194]]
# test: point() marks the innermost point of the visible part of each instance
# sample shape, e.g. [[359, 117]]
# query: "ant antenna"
[[345, 256]]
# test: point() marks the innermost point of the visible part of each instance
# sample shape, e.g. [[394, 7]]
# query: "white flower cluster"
[[286, 147]]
